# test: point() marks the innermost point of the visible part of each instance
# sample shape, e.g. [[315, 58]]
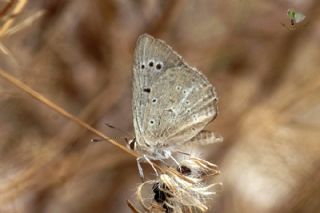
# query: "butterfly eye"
[[132, 144], [178, 88], [154, 100], [151, 122]]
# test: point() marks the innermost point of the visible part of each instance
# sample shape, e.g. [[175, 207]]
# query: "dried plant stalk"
[[18, 7]]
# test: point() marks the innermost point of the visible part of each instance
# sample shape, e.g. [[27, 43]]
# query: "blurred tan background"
[[79, 55]]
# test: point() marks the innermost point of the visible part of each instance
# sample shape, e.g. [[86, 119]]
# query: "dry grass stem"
[[25, 23], [17, 8], [60, 110]]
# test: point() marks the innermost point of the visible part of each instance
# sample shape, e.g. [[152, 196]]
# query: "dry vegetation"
[[78, 54]]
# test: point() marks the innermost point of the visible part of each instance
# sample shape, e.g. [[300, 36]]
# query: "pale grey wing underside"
[[205, 137], [152, 58], [180, 104]]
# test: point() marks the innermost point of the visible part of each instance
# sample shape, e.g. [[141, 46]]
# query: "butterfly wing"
[[299, 17], [206, 137], [151, 59], [172, 102], [181, 103]]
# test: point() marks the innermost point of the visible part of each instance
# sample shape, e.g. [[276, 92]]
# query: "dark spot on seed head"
[[159, 195], [186, 171]]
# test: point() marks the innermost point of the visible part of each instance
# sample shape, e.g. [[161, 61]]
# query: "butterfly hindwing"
[[181, 103], [151, 59]]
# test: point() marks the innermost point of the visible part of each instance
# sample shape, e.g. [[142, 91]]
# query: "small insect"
[[295, 17], [172, 103]]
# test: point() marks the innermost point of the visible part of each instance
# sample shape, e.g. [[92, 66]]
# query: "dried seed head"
[[197, 168], [173, 192]]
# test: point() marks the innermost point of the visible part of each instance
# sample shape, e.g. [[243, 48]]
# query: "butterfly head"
[[135, 146], [153, 153]]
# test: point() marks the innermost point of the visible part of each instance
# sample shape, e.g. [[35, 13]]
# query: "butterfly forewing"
[[151, 59]]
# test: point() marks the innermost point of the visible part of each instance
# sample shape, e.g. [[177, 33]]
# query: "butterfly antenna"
[[95, 140], [126, 138], [118, 129]]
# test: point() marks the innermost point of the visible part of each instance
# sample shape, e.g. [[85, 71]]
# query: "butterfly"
[[172, 102]]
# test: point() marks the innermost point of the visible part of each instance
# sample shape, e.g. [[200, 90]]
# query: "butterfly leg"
[[139, 159], [144, 158], [176, 162], [151, 164]]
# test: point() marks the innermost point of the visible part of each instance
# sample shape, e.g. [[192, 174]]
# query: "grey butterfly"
[[172, 102]]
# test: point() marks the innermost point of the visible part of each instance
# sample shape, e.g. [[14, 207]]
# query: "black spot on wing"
[[148, 90]]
